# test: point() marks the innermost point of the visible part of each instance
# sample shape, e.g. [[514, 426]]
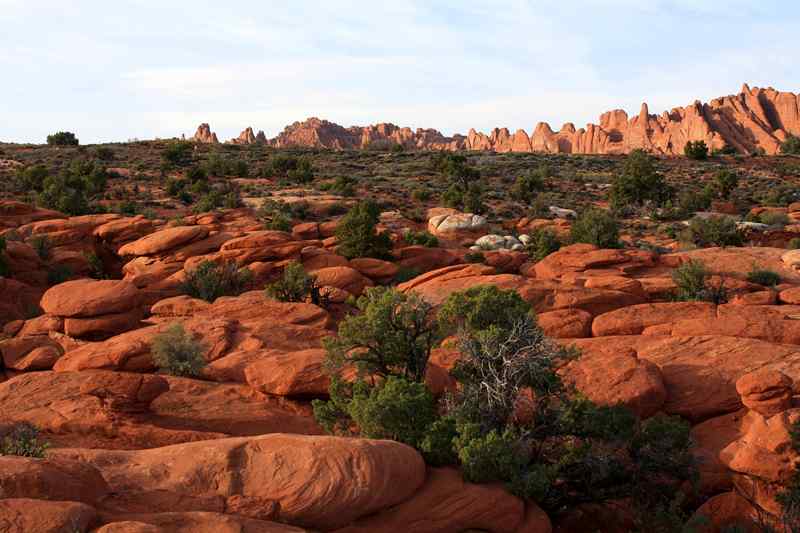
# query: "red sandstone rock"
[[566, 323], [205, 135], [23, 515], [768, 392], [290, 374], [90, 298]]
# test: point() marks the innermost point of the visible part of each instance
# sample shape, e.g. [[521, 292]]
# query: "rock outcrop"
[[753, 120], [205, 135]]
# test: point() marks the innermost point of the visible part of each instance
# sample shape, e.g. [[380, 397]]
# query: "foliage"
[[598, 227], [209, 281], [794, 244], [712, 231], [72, 190], [43, 247], [23, 440], [457, 169], [639, 183], [31, 178], [791, 146], [220, 166], [58, 274], [295, 285], [343, 186], [392, 336], [62, 138], [692, 283], [356, 234], [696, 150], [543, 243], [104, 153], [690, 202], [474, 257], [774, 218], [760, 276], [177, 153], [725, 182], [421, 238], [481, 308], [275, 215], [177, 353], [527, 186], [296, 169]]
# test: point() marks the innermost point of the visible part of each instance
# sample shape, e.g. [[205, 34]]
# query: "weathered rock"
[[343, 277], [20, 515], [164, 240], [50, 479], [457, 225], [196, 522], [290, 374], [90, 298], [566, 323], [323, 482], [633, 320]]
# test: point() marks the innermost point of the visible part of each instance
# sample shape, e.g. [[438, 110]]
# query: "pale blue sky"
[[139, 68]]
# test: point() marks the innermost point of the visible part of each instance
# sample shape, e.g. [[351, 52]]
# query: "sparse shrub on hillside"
[[177, 353], [209, 281], [726, 149], [421, 238], [725, 182], [22, 440], [296, 169], [457, 169], [774, 218], [31, 178], [794, 244], [696, 150], [357, 236], [638, 184], [104, 153], [275, 215], [342, 185], [196, 173], [543, 243], [178, 153], [74, 189], [526, 187], [598, 227], [303, 173], [421, 195], [43, 247], [219, 197], [712, 231], [765, 277], [691, 202], [692, 284], [295, 285], [791, 146], [482, 308], [474, 257], [220, 166], [62, 138], [58, 274], [779, 196]]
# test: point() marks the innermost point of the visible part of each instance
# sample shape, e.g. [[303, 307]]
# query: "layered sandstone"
[[755, 119]]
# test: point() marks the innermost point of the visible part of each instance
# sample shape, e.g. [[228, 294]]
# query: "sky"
[[113, 71]]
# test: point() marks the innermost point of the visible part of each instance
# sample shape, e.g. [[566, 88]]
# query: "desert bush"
[[457, 169], [219, 197], [481, 308], [726, 149], [527, 186], [97, 269], [177, 353], [357, 236], [295, 285], [421, 238], [760, 276], [43, 247], [692, 284], [62, 138], [779, 196], [220, 166], [690, 202], [393, 335], [31, 178], [639, 183], [794, 244], [177, 153], [343, 186], [712, 231], [725, 182], [196, 173], [104, 153], [543, 243], [774, 218], [209, 281], [421, 195], [474, 257], [696, 150], [596, 226], [58, 274], [791, 145], [303, 173], [73, 190], [23, 440]]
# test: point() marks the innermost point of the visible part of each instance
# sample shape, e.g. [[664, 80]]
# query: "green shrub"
[[22, 439], [97, 269], [196, 173], [220, 166], [275, 215], [31, 178], [712, 231], [598, 227], [43, 247], [527, 186], [474, 257], [421, 195], [490, 457], [421, 238], [638, 183], [356, 234], [177, 153], [691, 202], [104, 153], [62, 138], [692, 283], [209, 281], [58, 274], [760, 276], [725, 182], [697, 150], [405, 274], [303, 173], [397, 409], [344, 186], [73, 190], [726, 149], [295, 285], [794, 244], [774, 218], [457, 169], [481, 308], [393, 335], [177, 353], [791, 145], [543, 243]]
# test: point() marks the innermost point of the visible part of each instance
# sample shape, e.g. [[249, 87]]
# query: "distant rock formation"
[[205, 135], [755, 119]]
